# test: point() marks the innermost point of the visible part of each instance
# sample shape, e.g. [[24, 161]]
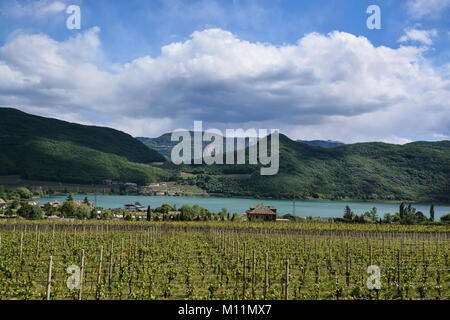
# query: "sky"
[[312, 69]]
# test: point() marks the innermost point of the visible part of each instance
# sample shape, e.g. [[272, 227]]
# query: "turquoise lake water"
[[314, 208]]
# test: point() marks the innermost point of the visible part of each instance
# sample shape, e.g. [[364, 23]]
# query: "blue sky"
[[134, 28], [124, 33]]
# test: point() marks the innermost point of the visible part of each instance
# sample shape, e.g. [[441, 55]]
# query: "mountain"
[[161, 144], [417, 171], [49, 149], [164, 145], [322, 143]]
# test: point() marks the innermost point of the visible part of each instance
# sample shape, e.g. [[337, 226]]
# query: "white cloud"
[[336, 86], [422, 36], [419, 9], [440, 136], [37, 9]]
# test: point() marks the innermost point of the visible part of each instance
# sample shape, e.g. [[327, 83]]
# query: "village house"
[[80, 202], [3, 204], [55, 203], [134, 208], [130, 207], [131, 185], [173, 214], [261, 213]]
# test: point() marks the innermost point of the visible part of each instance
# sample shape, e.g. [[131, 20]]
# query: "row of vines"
[[204, 261]]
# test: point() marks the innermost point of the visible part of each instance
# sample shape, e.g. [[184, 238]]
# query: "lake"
[[314, 208]]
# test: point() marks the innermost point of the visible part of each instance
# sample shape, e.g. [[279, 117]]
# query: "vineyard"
[[221, 261]]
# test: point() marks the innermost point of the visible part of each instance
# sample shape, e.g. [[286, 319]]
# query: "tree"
[[348, 214], [83, 211], [69, 198], [164, 208], [35, 213], [388, 218], [15, 204], [149, 214], [107, 214], [432, 212], [24, 193], [402, 211], [420, 217], [50, 210], [372, 214], [446, 218], [68, 209], [30, 212], [24, 210]]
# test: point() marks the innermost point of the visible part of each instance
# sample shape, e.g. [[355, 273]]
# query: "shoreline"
[[250, 198]]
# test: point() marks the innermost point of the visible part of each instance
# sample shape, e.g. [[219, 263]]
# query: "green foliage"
[[68, 209], [372, 214], [149, 214], [446, 218], [30, 212], [164, 208], [83, 211], [24, 193], [199, 261], [366, 171], [107, 214], [52, 150]]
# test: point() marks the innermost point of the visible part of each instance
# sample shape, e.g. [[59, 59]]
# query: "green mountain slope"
[[164, 145], [49, 149], [417, 171]]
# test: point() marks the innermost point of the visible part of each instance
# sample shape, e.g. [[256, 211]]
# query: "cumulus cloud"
[[37, 9], [336, 86], [422, 36], [427, 8]]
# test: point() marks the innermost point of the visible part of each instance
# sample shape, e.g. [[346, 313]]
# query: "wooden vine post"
[[243, 271], [80, 292], [110, 266], [99, 276], [49, 277], [253, 273], [266, 275], [286, 294]]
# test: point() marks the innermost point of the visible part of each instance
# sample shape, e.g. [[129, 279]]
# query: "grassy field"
[[143, 260]]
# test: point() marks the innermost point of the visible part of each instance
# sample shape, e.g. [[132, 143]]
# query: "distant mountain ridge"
[[417, 171], [322, 143], [164, 145]]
